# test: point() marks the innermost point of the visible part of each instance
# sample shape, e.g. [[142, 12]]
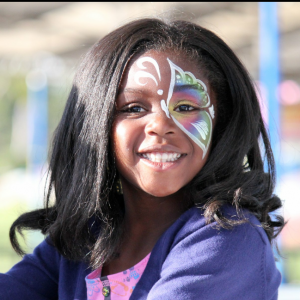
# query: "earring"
[[119, 187]]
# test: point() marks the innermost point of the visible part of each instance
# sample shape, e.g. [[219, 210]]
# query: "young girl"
[[159, 182]]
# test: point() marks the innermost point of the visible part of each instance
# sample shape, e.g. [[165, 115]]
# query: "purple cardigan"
[[190, 261]]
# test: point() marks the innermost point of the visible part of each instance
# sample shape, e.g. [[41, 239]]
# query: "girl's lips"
[[162, 165]]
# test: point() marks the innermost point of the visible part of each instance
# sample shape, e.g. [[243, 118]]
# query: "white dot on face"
[[160, 92]]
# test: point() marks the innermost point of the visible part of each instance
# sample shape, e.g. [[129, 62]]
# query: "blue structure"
[[269, 76], [269, 72], [37, 104]]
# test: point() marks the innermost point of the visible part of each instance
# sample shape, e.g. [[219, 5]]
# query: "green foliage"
[[292, 265], [14, 91], [13, 95]]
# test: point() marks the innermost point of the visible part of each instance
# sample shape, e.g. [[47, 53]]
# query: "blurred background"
[[41, 44]]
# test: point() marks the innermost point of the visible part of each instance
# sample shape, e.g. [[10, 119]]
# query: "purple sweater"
[[190, 261]]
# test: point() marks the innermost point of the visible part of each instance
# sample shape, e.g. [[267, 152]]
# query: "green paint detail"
[[105, 291]]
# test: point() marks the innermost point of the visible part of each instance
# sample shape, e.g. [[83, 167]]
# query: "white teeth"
[[161, 157], [164, 157], [158, 157]]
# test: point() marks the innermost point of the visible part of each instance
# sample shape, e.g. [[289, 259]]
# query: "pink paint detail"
[[121, 284]]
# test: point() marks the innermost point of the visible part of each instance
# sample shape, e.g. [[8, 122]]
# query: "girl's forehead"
[[156, 67], [161, 58]]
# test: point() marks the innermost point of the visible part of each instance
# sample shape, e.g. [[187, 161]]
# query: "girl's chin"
[[159, 191]]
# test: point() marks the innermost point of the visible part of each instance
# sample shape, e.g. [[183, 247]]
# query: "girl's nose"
[[159, 124]]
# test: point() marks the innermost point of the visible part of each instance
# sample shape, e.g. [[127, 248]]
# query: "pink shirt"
[[117, 286]]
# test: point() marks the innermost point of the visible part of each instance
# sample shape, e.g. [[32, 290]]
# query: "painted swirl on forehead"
[[143, 74], [186, 89]]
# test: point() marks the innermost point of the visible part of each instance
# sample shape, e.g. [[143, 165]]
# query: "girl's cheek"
[[198, 126]]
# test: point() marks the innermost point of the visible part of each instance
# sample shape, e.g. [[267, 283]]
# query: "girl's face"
[[163, 127]]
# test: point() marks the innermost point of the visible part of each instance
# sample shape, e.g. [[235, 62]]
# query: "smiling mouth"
[[161, 157]]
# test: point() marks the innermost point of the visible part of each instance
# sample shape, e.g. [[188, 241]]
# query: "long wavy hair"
[[84, 222]]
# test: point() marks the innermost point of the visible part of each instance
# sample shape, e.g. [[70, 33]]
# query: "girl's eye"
[[134, 109], [184, 107]]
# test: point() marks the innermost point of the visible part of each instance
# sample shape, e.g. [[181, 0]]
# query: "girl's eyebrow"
[[182, 87], [132, 91]]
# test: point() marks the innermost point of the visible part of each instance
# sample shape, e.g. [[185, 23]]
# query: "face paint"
[[143, 74], [184, 90], [187, 91]]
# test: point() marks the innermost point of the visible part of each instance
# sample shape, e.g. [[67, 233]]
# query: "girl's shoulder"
[[196, 259], [44, 275], [193, 222], [192, 226]]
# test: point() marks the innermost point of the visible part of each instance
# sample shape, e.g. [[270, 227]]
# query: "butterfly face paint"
[[191, 93], [188, 102]]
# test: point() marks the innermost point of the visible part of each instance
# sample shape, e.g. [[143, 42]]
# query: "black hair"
[[85, 219]]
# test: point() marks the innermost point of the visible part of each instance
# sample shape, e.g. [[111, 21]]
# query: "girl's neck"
[[146, 213], [146, 219]]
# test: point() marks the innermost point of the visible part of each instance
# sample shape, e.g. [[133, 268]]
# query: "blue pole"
[[269, 74], [269, 71], [37, 102]]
